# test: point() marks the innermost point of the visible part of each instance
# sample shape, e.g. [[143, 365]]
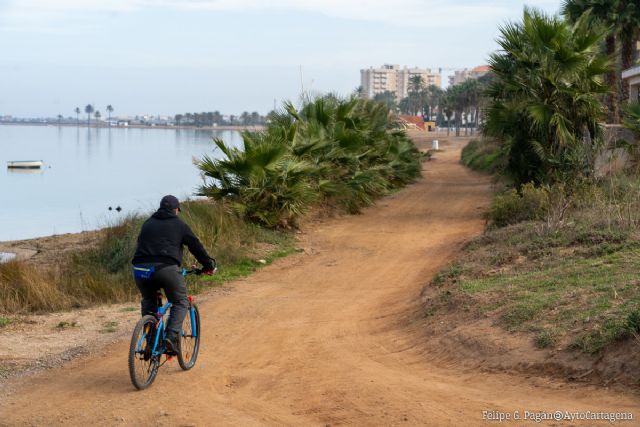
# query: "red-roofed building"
[[416, 122], [413, 121], [466, 74], [481, 69]]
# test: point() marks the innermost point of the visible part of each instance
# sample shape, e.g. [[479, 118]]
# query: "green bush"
[[511, 207], [545, 339], [483, 155], [341, 152]]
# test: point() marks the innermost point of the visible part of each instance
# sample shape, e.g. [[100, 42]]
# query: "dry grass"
[[565, 272], [101, 273]]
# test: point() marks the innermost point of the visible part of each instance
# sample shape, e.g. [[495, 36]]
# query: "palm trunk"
[[628, 38], [613, 114], [466, 123]]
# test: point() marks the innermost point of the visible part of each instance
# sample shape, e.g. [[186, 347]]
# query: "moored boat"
[[25, 164]]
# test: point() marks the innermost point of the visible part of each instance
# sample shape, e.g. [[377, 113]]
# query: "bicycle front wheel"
[[143, 366], [189, 338]]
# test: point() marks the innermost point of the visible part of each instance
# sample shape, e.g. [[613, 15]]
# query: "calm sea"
[[88, 170]]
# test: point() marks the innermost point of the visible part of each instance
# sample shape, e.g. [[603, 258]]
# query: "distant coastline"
[[137, 126]]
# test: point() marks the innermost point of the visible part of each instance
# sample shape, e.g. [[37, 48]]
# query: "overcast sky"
[[174, 56]]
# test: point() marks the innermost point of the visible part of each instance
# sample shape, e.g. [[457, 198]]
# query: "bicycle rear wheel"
[[143, 367], [189, 341]]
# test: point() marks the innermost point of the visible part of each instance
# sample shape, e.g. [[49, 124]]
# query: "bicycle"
[[148, 341]]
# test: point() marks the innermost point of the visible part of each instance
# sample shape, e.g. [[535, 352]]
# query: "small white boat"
[[25, 164]]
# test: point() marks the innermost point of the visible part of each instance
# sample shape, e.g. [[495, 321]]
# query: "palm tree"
[[388, 98], [77, 110], [59, 119], [433, 95], [628, 33], [109, 110], [621, 17], [346, 152], [89, 110], [97, 115], [415, 87], [544, 106]]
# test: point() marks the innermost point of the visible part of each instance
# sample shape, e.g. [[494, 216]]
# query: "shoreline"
[[238, 128]]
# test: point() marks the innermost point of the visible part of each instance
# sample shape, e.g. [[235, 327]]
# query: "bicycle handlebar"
[[199, 271]]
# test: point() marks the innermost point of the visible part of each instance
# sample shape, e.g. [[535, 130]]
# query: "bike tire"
[[143, 368], [189, 345]]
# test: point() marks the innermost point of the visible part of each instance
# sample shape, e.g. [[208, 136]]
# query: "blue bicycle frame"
[[160, 326]]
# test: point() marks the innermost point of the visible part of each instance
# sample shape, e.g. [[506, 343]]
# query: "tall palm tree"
[[628, 33], [433, 97], [109, 110], [388, 98], [97, 115], [604, 12], [89, 110], [415, 88], [545, 105], [77, 110]]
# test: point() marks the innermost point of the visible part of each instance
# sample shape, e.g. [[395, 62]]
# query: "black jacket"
[[162, 237]]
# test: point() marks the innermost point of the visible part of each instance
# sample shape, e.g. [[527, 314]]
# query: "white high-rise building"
[[392, 78]]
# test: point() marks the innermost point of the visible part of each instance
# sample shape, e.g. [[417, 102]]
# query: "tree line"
[[215, 118], [457, 107]]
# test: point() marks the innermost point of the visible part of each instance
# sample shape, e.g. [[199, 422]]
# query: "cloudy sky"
[[173, 56]]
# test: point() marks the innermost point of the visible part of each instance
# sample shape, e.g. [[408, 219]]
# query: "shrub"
[[483, 155], [511, 207], [545, 339], [341, 152]]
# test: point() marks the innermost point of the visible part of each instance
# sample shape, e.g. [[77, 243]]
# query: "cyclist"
[[157, 260]]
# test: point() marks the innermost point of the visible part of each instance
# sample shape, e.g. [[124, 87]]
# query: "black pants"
[[169, 279]]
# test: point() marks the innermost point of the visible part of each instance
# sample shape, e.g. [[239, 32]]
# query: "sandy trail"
[[330, 336]]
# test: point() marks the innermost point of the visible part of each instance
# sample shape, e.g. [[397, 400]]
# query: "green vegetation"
[[101, 274], [483, 155], [511, 207], [331, 152], [561, 252], [544, 102], [574, 286], [109, 327], [557, 262], [4, 321], [215, 118], [344, 153], [64, 325], [620, 18]]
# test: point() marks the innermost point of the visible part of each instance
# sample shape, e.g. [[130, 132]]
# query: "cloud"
[[427, 13]]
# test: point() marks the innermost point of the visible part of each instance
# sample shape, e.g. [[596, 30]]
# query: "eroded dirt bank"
[[325, 337]]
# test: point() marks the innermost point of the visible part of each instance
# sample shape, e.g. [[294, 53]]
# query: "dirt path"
[[330, 336]]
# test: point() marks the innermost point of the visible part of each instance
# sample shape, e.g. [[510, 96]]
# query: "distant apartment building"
[[392, 78], [460, 76]]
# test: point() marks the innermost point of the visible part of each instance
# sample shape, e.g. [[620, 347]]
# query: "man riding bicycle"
[[157, 260]]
